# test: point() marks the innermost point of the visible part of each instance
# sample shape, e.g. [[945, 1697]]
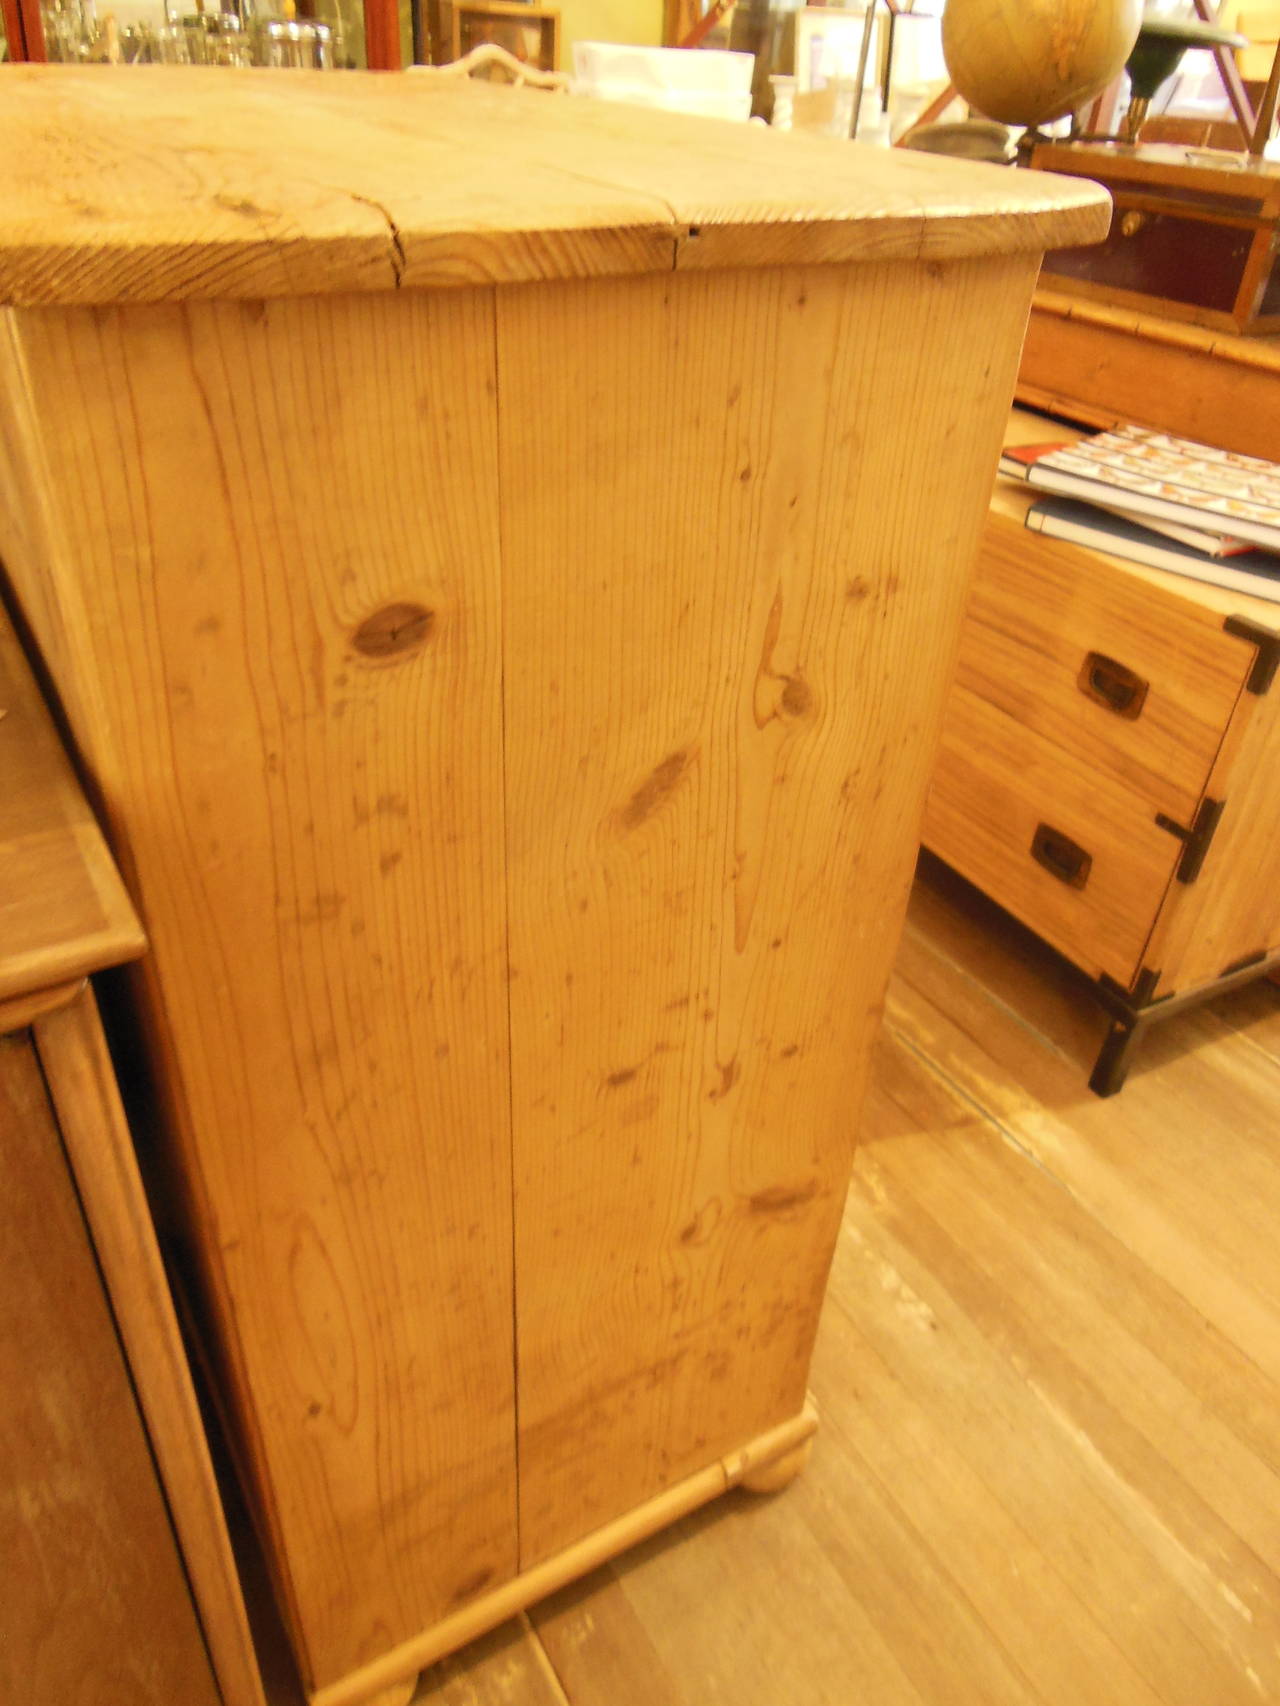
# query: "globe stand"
[[1028, 142]]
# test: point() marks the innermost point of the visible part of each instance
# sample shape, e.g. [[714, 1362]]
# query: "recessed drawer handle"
[[1114, 685], [1061, 856]]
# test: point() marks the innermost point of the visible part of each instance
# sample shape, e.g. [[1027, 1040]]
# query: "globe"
[[1030, 61]]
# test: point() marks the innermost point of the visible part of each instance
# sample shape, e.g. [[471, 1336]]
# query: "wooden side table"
[[1110, 766], [119, 1582]]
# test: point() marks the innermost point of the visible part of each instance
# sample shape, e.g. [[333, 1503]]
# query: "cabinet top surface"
[[1212, 170], [162, 183], [63, 908]]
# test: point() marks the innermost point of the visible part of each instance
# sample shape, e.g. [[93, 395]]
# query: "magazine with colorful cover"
[[1142, 472], [1017, 461]]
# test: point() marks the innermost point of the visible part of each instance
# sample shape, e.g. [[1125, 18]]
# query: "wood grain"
[[90, 1559], [287, 622], [63, 908], [157, 190], [716, 736], [82, 1088]]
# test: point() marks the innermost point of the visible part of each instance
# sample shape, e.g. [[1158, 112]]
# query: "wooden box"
[[1194, 236], [1109, 763], [502, 559]]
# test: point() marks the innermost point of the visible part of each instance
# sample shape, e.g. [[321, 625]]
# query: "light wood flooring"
[[1049, 1375]]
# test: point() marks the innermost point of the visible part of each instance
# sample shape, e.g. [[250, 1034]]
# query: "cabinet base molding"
[[784, 1446]]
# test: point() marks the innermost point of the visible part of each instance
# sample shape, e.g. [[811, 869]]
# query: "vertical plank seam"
[[506, 912]]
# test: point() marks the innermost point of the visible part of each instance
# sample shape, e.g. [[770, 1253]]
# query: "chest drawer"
[[1132, 681], [1070, 852], [1090, 702]]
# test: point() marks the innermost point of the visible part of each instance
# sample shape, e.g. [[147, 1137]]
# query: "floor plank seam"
[[1005, 1132], [1006, 1009], [1243, 1035], [542, 1658], [1066, 1592]]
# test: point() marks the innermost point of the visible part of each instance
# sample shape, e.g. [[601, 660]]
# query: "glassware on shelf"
[[293, 42], [170, 46], [71, 31], [215, 38], [317, 36], [784, 101]]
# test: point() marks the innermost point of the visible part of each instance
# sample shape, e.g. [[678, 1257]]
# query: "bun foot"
[[773, 1477]]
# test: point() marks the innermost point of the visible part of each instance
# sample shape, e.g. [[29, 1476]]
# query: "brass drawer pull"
[[1061, 856], [1113, 685]]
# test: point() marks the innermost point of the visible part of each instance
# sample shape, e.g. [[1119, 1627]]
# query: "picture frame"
[[828, 42], [530, 33]]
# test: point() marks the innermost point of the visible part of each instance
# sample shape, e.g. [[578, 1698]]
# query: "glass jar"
[[301, 43]]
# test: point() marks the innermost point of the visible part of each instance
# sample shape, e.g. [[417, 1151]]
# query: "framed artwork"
[[828, 44], [530, 33]]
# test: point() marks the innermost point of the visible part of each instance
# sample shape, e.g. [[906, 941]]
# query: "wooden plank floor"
[[1049, 1374]]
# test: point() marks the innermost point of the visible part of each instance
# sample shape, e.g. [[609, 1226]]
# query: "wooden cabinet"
[[1094, 362], [485, 595], [1109, 763], [102, 1456], [1194, 237], [89, 1554]]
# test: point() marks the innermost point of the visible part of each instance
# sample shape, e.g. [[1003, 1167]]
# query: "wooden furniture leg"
[[1134, 1015], [1116, 1056], [773, 1477]]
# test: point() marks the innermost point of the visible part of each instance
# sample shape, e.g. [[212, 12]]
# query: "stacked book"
[[1210, 514]]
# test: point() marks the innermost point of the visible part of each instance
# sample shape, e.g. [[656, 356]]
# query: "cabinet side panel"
[[279, 526], [739, 516], [1232, 910]]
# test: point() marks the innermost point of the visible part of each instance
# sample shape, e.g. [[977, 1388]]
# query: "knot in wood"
[[393, 629]]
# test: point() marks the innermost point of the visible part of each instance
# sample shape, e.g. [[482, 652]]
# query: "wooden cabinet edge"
[[783, 1444], [19, 1011], [1172, 946], [82, 1087]]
